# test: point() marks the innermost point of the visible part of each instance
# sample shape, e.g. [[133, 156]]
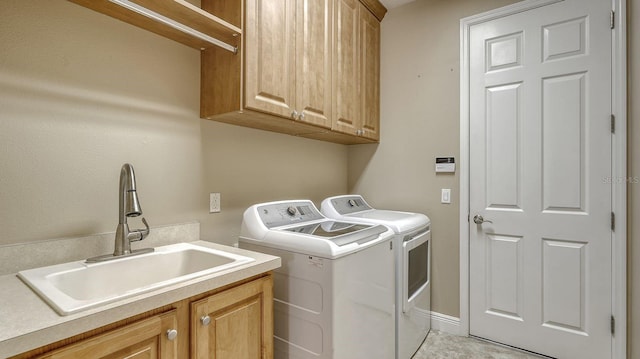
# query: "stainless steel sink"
[[77, 286]]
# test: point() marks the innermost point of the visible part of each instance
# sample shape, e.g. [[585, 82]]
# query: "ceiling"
[[390, 4]]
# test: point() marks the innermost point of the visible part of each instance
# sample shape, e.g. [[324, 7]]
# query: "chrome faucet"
[[129, 206]]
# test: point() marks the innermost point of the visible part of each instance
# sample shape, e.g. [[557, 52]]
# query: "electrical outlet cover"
[[214, 202]]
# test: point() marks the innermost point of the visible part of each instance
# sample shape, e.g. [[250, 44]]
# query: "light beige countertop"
[[27, 322]]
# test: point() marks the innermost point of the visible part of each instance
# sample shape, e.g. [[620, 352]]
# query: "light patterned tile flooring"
[[440, 345]]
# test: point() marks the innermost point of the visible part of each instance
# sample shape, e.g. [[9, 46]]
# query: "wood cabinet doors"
[[234, 324], [369, 74], [346, 79], [149, 339], [287, 70], [313, 61], [356, 72], [269, 46]]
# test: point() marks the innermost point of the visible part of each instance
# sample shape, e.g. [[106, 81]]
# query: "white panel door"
[[540, 154]]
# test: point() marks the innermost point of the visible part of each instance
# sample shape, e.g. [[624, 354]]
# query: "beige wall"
[[81, 94], [633, 215], [420, 84]]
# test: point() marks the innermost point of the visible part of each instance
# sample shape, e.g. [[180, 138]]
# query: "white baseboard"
[[445, 323]]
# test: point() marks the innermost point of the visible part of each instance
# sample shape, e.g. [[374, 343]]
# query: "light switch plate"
[[445, 196]]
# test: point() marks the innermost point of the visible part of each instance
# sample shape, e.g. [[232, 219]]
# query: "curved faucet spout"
[[129, 206], [129, 203]]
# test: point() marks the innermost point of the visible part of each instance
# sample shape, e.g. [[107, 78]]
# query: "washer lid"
[[353, 208], [340, 233], [383, 215], [400, 222]]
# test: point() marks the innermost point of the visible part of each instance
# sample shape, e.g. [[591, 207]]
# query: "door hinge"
[[613, 123], [613, 325], [613, 221], [612, 19]]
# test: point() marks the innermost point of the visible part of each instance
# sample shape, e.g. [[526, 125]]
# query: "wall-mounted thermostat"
[[445, 164]]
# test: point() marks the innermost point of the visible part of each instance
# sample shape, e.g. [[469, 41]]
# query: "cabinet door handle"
[[205, 320], [301, 116], [294, 115], [172, 334]]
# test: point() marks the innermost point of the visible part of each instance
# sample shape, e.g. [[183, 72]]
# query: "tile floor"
[[440, 345]]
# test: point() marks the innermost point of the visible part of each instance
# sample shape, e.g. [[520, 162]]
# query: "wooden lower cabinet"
[[233, 322], [148, 339]]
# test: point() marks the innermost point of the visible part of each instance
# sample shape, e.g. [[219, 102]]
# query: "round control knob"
[[172, 334], [205, 320], [352, 203], [291, 210]]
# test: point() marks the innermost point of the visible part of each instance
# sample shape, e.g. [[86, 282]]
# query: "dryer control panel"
[[349, 204], [288, 212]]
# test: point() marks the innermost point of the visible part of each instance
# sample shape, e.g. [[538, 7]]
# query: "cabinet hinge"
[[613, 123], [612, 19], [613, 325], [613, 221]]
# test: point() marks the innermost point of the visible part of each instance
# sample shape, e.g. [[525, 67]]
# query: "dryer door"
[[416, 269]]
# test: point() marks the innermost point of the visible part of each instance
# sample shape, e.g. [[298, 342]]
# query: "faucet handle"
[[145, 231], [140, 234]]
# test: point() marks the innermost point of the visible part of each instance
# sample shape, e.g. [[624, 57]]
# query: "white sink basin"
[[76, 286]]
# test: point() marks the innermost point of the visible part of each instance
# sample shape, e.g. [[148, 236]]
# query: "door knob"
[[477, 219]]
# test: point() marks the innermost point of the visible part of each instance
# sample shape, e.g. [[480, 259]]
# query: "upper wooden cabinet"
[[301, 70], [369, 48], [313, 61], [288, 59], [346, 78], [356, 70]]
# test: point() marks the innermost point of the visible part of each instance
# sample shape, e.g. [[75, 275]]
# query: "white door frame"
[[619, 163]]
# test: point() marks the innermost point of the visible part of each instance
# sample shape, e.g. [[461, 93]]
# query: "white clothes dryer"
[[412, 247], [334, 293]]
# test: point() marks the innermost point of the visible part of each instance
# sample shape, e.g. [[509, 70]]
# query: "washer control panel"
[[349, 204], [284, 213]]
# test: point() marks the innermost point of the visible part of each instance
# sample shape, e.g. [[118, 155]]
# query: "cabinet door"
[[346, 78], [269, 76], [313, 61], [234, 324], [146, 339], [370, 74]]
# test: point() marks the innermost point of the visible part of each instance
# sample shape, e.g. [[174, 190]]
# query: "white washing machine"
[[412, 244], [334, 293]]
